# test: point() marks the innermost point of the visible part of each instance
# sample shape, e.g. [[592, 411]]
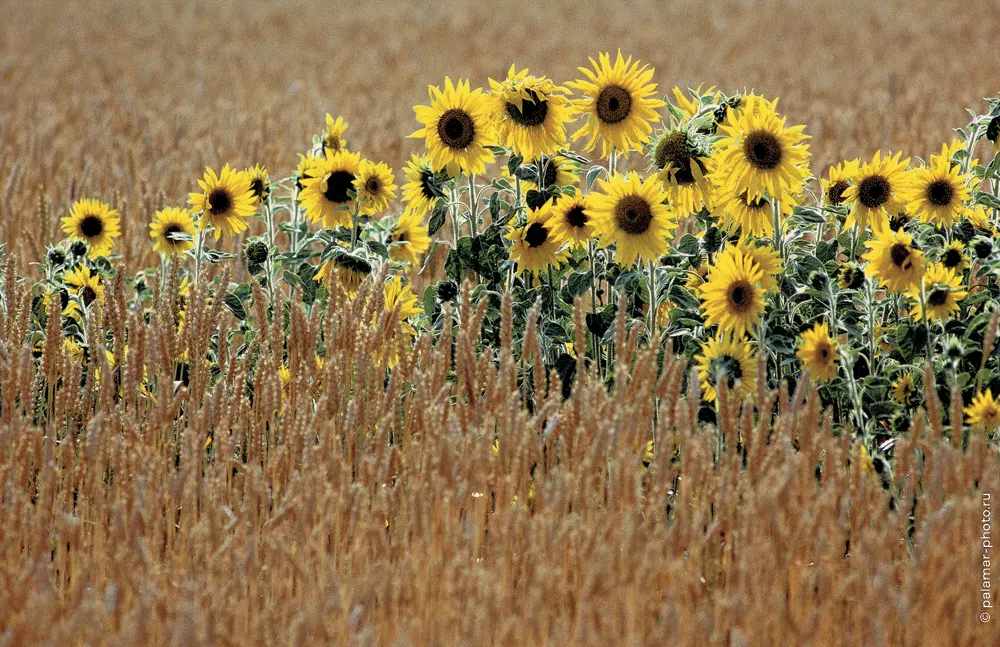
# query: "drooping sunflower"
[[172, 231], [953, 257], [530, 113], [632, 216], [333, 138], [850, 276], [767, 260], [457, 128], [818, 353], [423, 185], [535, 244], [877, 191], [726, 359], [732, 296], [96, 223], [618, 102], [572, 219], [983, 412], [838, 180], [375, 187], [682, 168], [82, 283], [327, 192], [981, 221], [902, 388], [343, 271], [225, 202], [260, 183], [943, 290], [938, 194], [753, 217], [893, 260], [409, 237], [758, 154]]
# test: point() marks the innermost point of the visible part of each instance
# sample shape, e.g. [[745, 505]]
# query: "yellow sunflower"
[[95, 222], [938, 194], [423, 186], [728, 359], [632, 217], [375, 187], [327, 192], [400, 300], [343, 271], [838, 180], [902, 388], [767, 260], [306, 164], [260, 183], [732, 297], [753, 217], [410, 238], [572, 219], [172, 231], [893, 260], [818, 353], [84, 284], [225, 202], [682, 170], [981, 221], [953, 257], [877, 191], [619, 104], [943, 291], [457, 128], [530, 113], [984, 411], [691, 106], [535, 244], [758, 154], [333, 138]]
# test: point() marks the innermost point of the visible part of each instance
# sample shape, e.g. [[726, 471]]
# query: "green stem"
[[473, 206], [593, 304], [354, 225], [652, 305], [199, 245], [776, 216]]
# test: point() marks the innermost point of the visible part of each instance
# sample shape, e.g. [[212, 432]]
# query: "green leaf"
[[235, 306], [592, 175], [578, 283], [437, 220]]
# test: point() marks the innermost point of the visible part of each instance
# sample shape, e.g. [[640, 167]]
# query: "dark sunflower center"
[[873, 191], [169, 232], [672, 151], [456, 129], [937, 297], [219, 201], [726, 368], [762, 150], [952, 258], [536, 235], [257, 186], [741, 295], [633, 215], [900, 254], [823, 351], [428, 188], [614, 104], [531, 113], [91, 226], [88, 295], [338, 184], [756, 204], [940, 193], [577, 217], [372, 186], [836, 193]]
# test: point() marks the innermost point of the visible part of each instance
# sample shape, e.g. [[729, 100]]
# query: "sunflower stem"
[[929, 347], [552, 294], [473, 206], [199, 244], [652, 305], [354, 224], [593, 305], [776, 216]]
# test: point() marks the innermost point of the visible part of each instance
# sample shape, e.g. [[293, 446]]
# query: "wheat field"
[[467, 496]]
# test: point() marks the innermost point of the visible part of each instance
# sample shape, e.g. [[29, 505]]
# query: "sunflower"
[[877, 191], [766, 259], [938, 194], [632, 217], [732, 296], [555, 171], [409, 237], [423, 185], [690, 107], [984, 411], [839, 179], [95, 222], [753, 217], [457, 128], [344, 271], [942, 291], [902, 388], [535, 244], [172, 231], [893, 260], [953, 257], [683, 170], [84, 284], [572, 219], [728, 359], [333, 138], [260, 183], [375, 187], [401, 301], [618, 103], [981, 221], [306, 164], [530, 113], [225, 203], [758, 154], [850, 277], [328, 190], [818, 353]]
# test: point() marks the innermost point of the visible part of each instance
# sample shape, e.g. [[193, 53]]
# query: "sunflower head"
[[725, 358], [682, 166], [530, 113], [225, 201], [818, 353], [631, 215], [953, 257], [572, 219], [260, 183], [94, 222], [457, 129], [329, 190], [333, 138], [839, 179], [877, 191], [172, 231], [85, 285], [375, 187], [938, 194], [983, 412], [850, 276], [893, 260], [902, 388], [423, 186], [750, 216], [535, 244], [942, 292], [732, 296], [408, 239]]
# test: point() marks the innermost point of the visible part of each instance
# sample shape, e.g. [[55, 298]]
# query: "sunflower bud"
[[982, 246], [56, 257], [447, 291], [818, 280], [78, 248], [256, 252]]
